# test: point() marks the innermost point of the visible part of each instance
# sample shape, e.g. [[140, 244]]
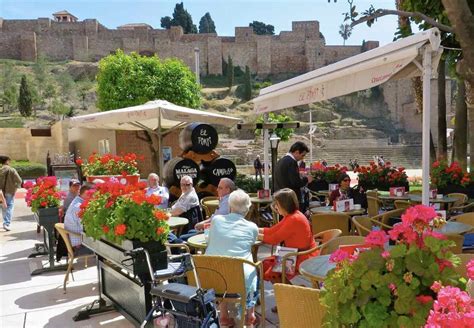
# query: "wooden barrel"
[[178, 167], [198, 137], [212, 172]]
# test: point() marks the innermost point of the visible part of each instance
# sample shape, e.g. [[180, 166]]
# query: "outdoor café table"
[[455, 228], [212, 204], [316, 268], [255, 209], [447, 201], [329, 209], [176, 222], [199, 242]]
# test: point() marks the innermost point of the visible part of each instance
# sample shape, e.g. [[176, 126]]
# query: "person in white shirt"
[[154, 188]]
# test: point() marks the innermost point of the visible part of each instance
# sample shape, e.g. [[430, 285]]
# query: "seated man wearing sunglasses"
[[187, 205]]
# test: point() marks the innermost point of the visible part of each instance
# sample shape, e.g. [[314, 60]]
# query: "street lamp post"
[[274, 141], [196, 64]]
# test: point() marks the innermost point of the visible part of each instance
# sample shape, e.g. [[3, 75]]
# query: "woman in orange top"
[[293, 231]]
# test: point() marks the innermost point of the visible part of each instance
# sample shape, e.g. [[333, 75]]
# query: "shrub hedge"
[[29, 170]]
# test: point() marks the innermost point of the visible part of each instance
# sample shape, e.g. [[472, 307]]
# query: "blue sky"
[[227, 14]]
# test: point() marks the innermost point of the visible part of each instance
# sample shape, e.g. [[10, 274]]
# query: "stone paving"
[[38, 301]]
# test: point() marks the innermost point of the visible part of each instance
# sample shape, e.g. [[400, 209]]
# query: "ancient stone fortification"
[[297, 51]]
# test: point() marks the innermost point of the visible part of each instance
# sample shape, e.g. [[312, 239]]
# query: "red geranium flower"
[[120, 229]]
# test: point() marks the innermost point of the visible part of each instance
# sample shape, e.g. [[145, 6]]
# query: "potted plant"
[[106, 166], [391, 286], [381, 177], [324, 175], [124, 216], [44, 197], [451, 178]]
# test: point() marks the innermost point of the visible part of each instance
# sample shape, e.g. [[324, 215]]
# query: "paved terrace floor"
[[38, 301]]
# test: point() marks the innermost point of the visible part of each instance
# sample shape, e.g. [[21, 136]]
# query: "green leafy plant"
[[381, 177], [391, 287], [443, 174], [117, 212], [283, 133], [330, 174], [248, 184], [109, 164]]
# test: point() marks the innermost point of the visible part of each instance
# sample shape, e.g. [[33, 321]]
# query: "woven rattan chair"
[[298, 306], [402, 204], [467, 218], [326, 221], [415, 192], [461, 268], [459, 240], [384, 218], [373, 205], [364, 224], [321, 238], [70, 251], [461, 199], [209, 209], [226, 276], [331, 246]]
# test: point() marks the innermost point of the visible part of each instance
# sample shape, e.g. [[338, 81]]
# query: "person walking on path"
[[258, 166], [287, 174], [10, 181]]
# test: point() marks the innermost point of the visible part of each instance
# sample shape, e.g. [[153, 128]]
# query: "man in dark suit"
[[287, 173]]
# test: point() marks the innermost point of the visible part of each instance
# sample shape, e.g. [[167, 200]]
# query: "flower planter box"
[[128, 179], [449, 189], [382, 186]]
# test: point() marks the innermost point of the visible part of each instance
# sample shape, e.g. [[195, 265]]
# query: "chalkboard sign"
[[199, 137]]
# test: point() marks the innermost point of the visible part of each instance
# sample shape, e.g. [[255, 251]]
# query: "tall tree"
[[182, 18], [9, 87], [247, 84], [166, 22], [24, 99], [345, 30], [262, 29], [128, 80], [460, 24], [206, 24], [230, 73]]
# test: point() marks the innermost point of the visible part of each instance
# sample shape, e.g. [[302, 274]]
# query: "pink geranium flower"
[[453, 308], [470, 269], [339, 256], [376, 238]]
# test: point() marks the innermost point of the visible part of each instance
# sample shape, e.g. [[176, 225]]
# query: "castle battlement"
[[297, 51]]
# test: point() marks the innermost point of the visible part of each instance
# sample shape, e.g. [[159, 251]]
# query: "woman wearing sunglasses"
[[344, 191]]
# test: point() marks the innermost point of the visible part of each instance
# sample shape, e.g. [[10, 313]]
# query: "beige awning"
[[400, 59]]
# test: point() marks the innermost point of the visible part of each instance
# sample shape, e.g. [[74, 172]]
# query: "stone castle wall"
[[297, 51]]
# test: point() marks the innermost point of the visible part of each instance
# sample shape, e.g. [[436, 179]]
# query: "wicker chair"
[[467, 218], [460, 205], [326, 221], [331, 246], [208, 208], [383, 218], [402, 204], [415, 192], [322, 238], [459, 240], [461, 199], [461, 268], [298, 306], [373, 205], [70, 251], [226, 276], [364, 224]]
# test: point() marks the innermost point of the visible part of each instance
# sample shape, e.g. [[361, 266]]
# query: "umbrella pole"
[[265, 154], [426, 124], [160, 146]]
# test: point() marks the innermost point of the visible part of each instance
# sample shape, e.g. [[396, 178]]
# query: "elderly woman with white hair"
[[233, 235]]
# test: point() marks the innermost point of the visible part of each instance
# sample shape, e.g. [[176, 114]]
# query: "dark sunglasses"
[[186, 184], [346, 180]]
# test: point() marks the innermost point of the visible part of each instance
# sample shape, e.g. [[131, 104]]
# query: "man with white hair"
[[154, 188], [233, 235], [187, 204]]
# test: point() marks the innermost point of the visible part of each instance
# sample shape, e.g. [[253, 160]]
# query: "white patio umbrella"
[[157, 116], [416, 55]]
